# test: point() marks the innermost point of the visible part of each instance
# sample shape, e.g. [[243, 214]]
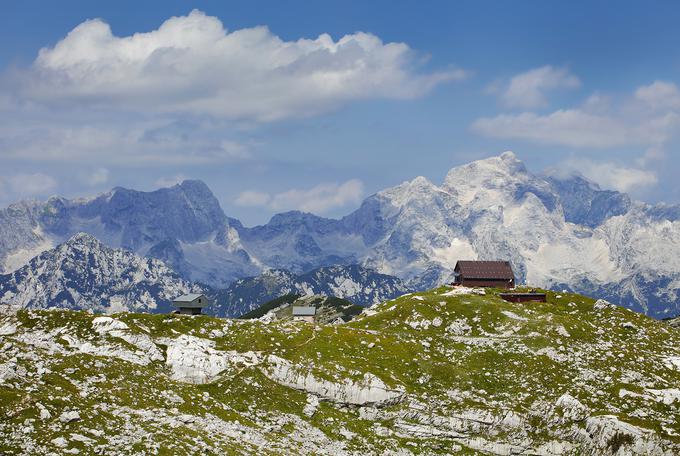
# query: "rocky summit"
[[448, 371]]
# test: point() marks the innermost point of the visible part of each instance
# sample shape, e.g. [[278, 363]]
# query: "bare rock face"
[[83, 273], [69, 416], [195, 360], [368, 391], [7, 329], [571, 408], [609, 434], [116, 328]]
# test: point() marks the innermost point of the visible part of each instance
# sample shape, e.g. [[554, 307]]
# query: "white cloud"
[[527, 90], [96, 177], [651, 155], [191, 64], [611, 175], [647, 118], [31, 184], [659, 95], [319, 199], [170, 181], [253, 198], [189, 92], [118, 142], [572, 128], [580, 128]]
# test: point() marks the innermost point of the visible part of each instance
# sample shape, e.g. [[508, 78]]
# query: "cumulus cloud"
[[31, 184], [96, 177], [189, 92], [659, 95], [170, 181], [593, 125], [528, 89], [573, 128], [319, 199], [611, 175], [652, 154], [191, 64], [118, 142], [253, 198]]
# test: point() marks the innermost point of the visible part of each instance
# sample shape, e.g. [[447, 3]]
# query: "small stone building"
[[190, 304], [306, 313], [497, 274]]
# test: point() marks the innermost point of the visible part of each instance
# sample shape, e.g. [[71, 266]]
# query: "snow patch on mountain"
[[19, 258]]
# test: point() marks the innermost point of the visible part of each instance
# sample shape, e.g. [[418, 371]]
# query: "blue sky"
[[273, 123]]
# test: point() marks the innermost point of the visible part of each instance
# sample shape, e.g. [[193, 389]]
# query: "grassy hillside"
[[441, 372]]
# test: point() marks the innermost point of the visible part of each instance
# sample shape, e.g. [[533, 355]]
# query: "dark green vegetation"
[[270, 305], [330, 309]]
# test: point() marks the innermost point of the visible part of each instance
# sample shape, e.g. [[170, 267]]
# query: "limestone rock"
[[370, 390], [69, 416], [571, 408]]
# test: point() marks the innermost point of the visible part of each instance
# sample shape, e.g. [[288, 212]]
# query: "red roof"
[[497, 270]]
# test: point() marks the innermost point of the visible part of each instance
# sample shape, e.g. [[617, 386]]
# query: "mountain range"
[[558, 232], [84, 274]]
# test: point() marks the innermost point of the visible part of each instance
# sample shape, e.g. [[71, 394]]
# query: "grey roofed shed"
[[304, 311], [191, 300]]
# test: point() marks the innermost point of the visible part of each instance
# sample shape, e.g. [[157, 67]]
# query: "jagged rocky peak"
[[291, 221], [294, 217], [415, 198], [417, 191], [83, 273], [500, 180], [488, 171], [81, 240], [584, 202], [187, 211]]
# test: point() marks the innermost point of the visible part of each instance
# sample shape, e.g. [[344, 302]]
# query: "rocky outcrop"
[[571, 409], [607, 434], [116, 328], [7, 329], [195, 360], [370, 390]]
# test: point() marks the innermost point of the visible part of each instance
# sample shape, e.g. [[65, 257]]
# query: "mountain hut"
[[306, 313], [497, 274], [190, 304]]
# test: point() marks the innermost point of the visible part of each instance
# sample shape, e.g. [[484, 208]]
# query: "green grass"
[[514, 356]]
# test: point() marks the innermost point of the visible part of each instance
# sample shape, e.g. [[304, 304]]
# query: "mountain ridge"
[[83, 274]]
